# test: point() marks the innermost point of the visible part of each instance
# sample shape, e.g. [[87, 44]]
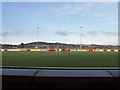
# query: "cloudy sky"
[[60, 22]]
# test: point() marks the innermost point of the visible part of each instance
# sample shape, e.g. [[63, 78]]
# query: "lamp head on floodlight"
[[37, 27]]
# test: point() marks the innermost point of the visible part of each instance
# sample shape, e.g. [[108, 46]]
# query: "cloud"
[[64, 10], [109, 23], [15, 32], [93, 33], [109, 33], [63, 33], [102, 14], [96, 32], [67, 10], [5, 34], [76, 8], [85, 9]]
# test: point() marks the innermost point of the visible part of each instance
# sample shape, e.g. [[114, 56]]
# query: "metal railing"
[[61, 68]]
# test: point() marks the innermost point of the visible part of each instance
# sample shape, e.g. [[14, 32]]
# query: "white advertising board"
[[101, 50], [108, 50], [116, 50], [13, 49]]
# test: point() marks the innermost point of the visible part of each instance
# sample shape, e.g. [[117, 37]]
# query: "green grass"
[[60, 59]]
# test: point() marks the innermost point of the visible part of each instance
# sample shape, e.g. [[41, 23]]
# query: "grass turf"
[[60, 59]]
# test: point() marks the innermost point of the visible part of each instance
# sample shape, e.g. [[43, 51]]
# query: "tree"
[[22, 45]]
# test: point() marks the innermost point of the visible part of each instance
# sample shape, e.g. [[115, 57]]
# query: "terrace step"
[[59, 79]]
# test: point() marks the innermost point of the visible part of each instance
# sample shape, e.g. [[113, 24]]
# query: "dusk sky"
[[60, 22]]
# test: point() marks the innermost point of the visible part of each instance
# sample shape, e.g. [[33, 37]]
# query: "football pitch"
[[59, 59]]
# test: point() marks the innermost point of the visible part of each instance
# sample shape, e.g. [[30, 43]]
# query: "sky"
[[60, 22], [60, 0]]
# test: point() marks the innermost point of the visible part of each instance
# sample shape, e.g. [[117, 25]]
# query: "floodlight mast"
[[80, 37], [37, 36]]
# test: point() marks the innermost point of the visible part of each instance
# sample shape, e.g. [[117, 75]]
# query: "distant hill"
[[55, 45], [46, 43]]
